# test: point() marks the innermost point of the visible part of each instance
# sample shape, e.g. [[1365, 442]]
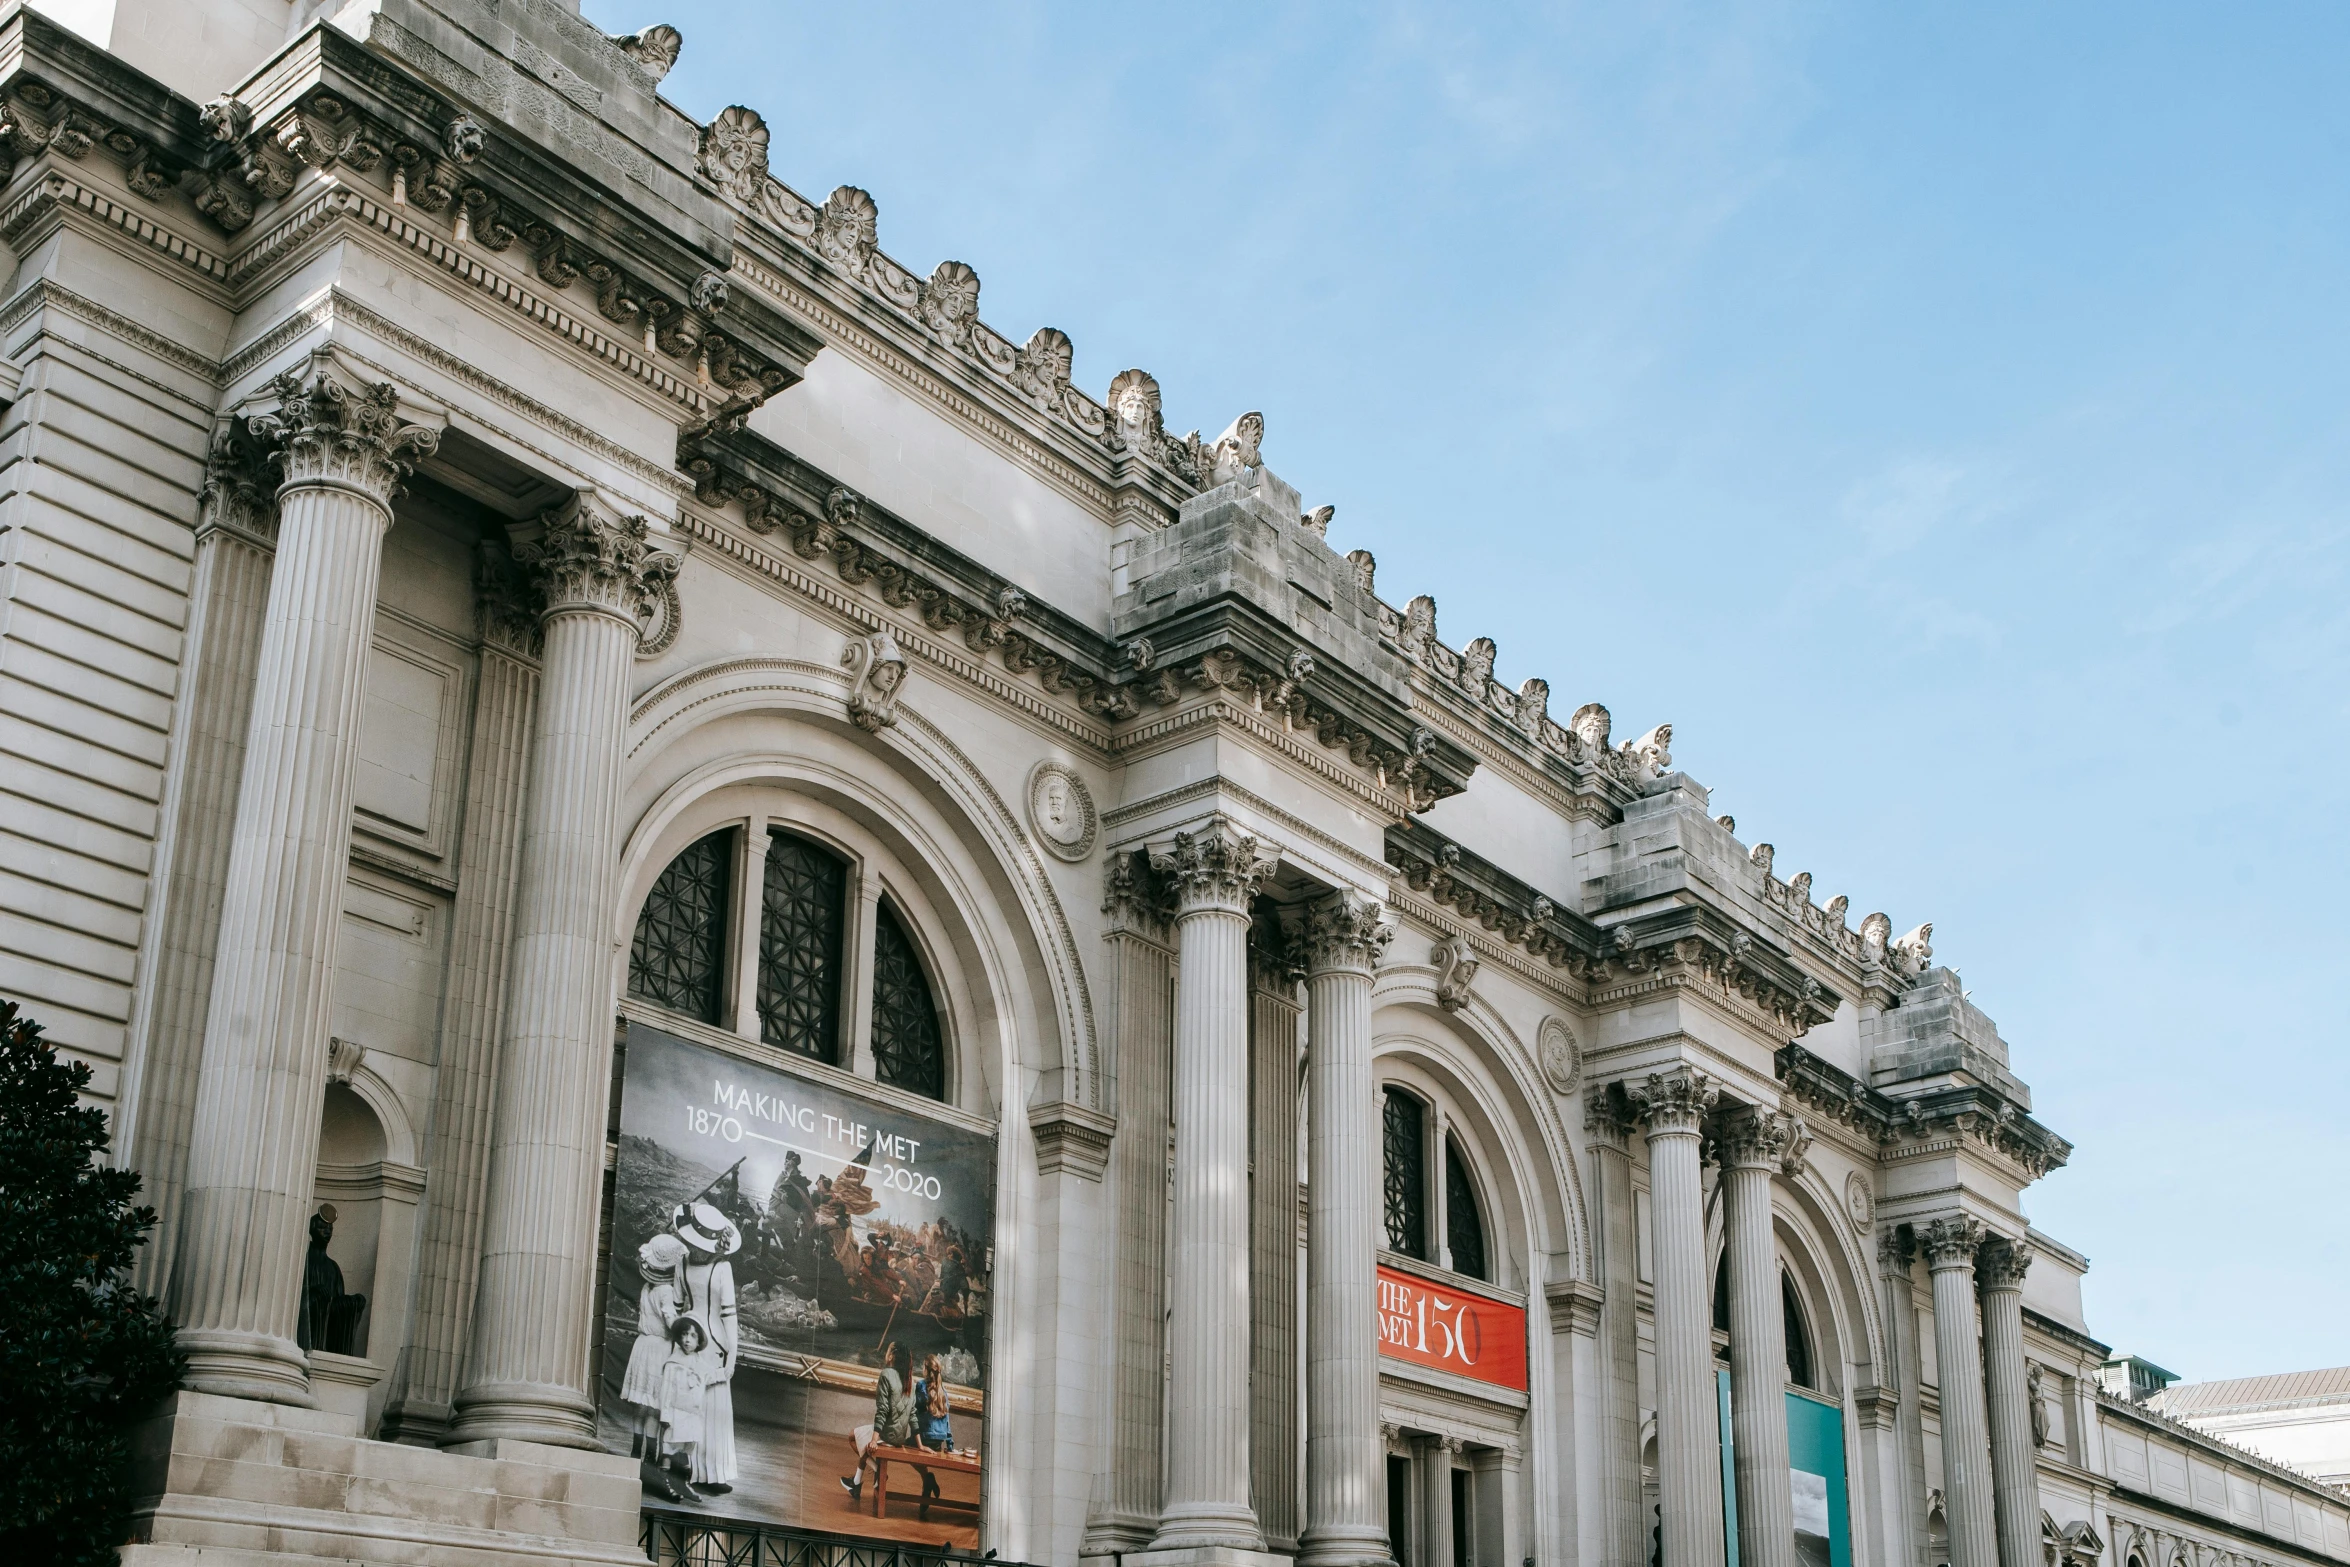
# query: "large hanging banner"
[[796, 1325], [1815, 1477], [1453, 1330]]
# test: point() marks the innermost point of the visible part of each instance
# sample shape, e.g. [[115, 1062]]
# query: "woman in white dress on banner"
[[706, 1288]]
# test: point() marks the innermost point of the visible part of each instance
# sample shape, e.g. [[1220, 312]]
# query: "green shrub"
[[82, 1353]]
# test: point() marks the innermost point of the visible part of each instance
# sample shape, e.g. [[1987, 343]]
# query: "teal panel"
[[1815, 1452], [1729, 1466]]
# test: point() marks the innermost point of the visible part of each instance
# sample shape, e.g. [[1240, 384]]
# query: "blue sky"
[[1936, 412]]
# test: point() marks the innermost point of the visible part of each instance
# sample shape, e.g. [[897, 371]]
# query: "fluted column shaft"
[[2015, 1475], [528, 1372], [1672, 1107], [1756, 1145], [1950, 1246], [1216, 873], [1345, 1524], [252, 1162]]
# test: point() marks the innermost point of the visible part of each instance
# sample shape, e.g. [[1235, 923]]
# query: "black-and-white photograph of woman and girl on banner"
[[796, 1329]]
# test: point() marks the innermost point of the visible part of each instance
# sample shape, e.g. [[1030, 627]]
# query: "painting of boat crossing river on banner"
[[796, 1324]]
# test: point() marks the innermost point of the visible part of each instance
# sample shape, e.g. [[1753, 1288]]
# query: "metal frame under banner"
[[697, 1540]]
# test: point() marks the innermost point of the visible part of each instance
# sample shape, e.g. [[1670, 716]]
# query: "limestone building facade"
[[563, 704]]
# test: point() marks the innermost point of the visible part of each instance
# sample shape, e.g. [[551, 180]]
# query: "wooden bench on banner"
[[924, 1459]]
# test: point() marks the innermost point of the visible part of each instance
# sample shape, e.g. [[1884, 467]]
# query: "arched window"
[[1464, 1227], [908, 1050], [820, 915], [678, 959], [1404, 1125], [801, 911], [1799, 1368], [1796, 1326]]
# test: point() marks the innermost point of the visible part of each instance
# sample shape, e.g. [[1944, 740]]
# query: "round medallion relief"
[[1858, 1201], [1060, 811], [1561, 1057]]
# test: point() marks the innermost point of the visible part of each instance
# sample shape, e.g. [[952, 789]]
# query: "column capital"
[[1345, 932], [2002, 1263], [590, 559], [1753, 1138], [1216, 869], [240, 487], [1951, 1242], [330, 434], [1673, 1102]]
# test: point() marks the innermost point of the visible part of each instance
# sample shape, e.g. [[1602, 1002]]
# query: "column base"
[[246, 1483], [1206, 1556], [258, 1366], [1350, 1547], [1208, 1526], [522, 1412]]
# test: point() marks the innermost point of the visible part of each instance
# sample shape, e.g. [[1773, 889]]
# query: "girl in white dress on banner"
[[706, 1288]]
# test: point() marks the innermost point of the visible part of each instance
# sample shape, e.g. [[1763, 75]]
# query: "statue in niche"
[[329, 1319]]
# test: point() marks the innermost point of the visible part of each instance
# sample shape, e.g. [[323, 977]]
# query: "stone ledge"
[[234, 1481]]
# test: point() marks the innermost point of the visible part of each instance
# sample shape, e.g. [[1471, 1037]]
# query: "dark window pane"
[[1798, 1337], [1407, 1176], [908, 1051], [1464, 1230], [678, 959], [800, 917]]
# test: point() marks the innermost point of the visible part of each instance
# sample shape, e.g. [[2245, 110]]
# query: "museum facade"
[[716, 906]]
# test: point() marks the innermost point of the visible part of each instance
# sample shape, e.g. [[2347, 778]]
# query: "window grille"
[[908, 1051], [678, 959], [1464, 1229], [1404, 1125], [801, 911]]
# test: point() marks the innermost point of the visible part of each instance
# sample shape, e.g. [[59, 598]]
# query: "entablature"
[[1911, 1126]]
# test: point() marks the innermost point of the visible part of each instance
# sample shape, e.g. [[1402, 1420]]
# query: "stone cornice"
[[2109, 1406], [1254, 671], [1916, 1125], [328, 108]]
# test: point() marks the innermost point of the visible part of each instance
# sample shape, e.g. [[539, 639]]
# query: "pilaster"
[[473, 1004]]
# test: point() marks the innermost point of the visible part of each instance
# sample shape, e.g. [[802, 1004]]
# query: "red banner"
[[1451, 1330]]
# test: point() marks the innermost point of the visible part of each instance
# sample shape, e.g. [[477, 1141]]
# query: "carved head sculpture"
[[1477, 664], [1056, 801], [1041, 371], [734, 152], [1533, 705], [1134, 408], [848, 228], [950, 300], [1366, 568], [322, 1226], [655, 48], [1875, 931], [1590, 725]]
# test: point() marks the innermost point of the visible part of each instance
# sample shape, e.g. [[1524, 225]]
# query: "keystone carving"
[[1456, 965], [877, 674]]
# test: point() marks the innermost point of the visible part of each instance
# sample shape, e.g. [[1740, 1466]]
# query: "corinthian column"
[[1950, 1246], [1345, 1458], [527, 1377], [1216, 872], [2015, 1475], [1756, 1145], [1672, 1107], [252, 1164]]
